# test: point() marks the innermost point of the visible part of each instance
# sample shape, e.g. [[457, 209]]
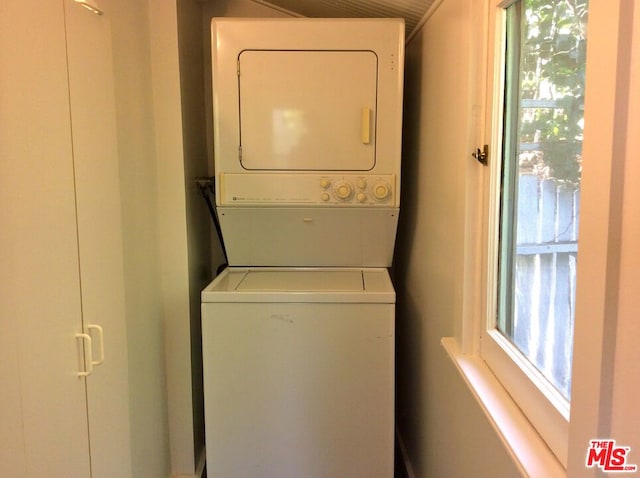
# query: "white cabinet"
[[60, 245]]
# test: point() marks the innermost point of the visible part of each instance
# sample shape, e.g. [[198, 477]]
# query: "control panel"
[[307, 189]]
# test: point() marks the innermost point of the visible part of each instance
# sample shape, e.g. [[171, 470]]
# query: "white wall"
[[440, 423], [139, 192], [606, 353], [626, 416], [442, 427], [172, 233]]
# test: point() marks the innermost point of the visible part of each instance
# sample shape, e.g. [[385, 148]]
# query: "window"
[[536, 201]]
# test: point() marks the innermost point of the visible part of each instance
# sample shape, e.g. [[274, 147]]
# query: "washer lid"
[[352, 285], [302, 281]]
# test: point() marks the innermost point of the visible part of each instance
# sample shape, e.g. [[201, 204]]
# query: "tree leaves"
[[553, 55]]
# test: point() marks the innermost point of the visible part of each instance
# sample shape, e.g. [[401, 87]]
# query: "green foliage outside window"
[[552, 88]]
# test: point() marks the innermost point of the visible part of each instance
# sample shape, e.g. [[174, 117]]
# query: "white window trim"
[[522, 441], [497, 367], [545, 408]]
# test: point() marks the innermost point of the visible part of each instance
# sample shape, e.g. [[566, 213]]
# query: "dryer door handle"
[[366, 125]]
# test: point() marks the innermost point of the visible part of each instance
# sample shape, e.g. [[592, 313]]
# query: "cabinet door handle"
[[88, 355], [100, 334], [90, 5]]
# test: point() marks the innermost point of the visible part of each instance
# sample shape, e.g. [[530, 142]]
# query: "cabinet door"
[[43, 414], [95, 152]]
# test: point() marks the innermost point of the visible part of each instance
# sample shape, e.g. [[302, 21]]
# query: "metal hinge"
[[482, 155]]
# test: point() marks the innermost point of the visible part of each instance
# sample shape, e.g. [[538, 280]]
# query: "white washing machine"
[[298, 333], [299, 373]]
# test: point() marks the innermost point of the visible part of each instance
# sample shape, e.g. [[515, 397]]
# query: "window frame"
[[545, 407], [607, 147]]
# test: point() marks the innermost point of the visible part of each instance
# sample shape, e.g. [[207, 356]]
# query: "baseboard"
[[406, 462]]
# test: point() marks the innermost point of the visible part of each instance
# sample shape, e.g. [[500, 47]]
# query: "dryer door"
[[307, 110]]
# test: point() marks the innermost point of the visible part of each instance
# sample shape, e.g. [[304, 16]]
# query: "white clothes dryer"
[[299, 373], [307, 125]]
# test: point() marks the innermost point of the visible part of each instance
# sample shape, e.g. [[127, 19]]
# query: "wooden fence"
[[545, 276]]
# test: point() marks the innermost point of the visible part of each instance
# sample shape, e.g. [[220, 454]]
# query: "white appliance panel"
[[302, 281], [308, 189], [307, 110], [278, 56], [299, 388], [301, 285], [309, 236], [307, 114]]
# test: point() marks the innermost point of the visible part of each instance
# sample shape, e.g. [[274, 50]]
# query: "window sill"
[[527, 449]]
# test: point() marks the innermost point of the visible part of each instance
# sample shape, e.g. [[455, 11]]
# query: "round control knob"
[[381, 191], [325, 183], [361, 197], [361, 183], [325, 196], [344, 191]]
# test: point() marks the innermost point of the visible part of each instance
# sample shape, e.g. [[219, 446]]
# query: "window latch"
[[482, 155]]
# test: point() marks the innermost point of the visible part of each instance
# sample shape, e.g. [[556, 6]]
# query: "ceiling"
[[411, 10]]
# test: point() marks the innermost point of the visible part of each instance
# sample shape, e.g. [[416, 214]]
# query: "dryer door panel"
[[307, 110]]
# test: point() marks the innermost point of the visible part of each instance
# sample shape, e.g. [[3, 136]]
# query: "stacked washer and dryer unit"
[[298, 332]]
